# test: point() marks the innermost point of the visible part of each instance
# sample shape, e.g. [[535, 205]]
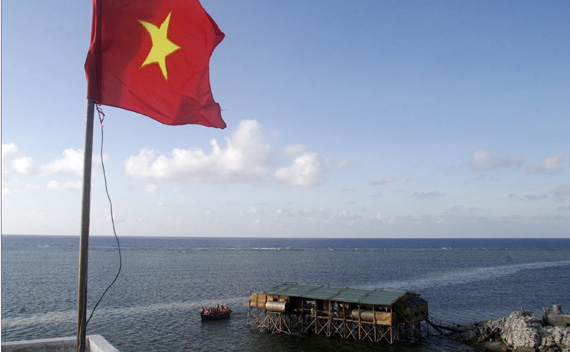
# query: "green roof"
[[339, 294]]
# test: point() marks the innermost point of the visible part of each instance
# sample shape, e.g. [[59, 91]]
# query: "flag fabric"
[[153, 57]]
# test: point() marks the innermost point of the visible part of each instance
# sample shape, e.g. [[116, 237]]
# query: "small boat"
[[215, 313]]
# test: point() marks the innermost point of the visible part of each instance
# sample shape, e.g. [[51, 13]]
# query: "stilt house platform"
[[375, 315]]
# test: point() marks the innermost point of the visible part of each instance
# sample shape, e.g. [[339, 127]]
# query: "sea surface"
[[155, 303]]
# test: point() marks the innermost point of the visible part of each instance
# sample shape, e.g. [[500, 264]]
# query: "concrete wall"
[[95, 343]]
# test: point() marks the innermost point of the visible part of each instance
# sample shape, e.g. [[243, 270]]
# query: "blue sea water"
[[154, 306]]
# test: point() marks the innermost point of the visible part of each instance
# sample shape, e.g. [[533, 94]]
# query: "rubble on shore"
[[520, 331]]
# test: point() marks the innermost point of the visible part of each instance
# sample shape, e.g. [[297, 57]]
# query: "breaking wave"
[[114, 313], [468, 275]]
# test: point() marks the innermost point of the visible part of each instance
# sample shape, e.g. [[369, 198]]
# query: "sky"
[[352, 119]]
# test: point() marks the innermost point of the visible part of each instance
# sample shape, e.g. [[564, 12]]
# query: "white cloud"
[[307, 215], [71, 160], [384, 181], [247, 157], [251, 210], [306, 170], [304, 218], [428, 195], [387, 220], [295, 150], [12, 158], [345, 164], [535, 196], [23, 165], [9, 151], [57, 185], [562, 192], [530, 197], [151, 188], [549, 165], [484, 159]]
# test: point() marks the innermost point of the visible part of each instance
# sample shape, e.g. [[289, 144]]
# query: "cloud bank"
[[246, 157]]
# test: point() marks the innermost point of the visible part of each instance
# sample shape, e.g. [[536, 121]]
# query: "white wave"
[[38, 319], [468, 275], [110, 313]]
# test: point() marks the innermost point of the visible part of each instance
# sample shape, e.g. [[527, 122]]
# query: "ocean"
[[155, 303]]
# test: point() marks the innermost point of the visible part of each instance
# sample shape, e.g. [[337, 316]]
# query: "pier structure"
[[349, 313]]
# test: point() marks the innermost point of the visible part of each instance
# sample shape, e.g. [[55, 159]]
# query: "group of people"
[[215, 310]]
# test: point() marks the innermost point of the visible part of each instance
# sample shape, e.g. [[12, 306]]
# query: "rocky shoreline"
[[520, 331]]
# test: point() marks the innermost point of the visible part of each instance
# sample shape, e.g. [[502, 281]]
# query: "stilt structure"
[[374, 315]]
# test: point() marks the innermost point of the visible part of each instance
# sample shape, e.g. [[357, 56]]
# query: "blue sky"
[[345, 119]]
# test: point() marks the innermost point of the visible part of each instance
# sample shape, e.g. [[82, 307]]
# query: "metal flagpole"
[[84, 239]]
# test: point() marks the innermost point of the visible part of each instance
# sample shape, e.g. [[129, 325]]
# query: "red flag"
[[152, 57]]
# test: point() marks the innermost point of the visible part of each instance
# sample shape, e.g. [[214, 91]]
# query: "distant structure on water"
[[375, 315]]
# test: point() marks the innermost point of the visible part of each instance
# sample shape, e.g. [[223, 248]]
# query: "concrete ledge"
[[95, 343]]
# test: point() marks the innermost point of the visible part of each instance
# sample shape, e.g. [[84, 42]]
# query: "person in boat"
[[218, 309]]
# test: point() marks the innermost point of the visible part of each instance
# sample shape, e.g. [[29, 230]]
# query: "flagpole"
[[84, 239]]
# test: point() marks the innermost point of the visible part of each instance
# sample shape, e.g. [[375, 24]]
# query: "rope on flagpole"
[[101, 118]]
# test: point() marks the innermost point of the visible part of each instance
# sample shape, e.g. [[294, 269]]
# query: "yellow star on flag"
[[161, 45]]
